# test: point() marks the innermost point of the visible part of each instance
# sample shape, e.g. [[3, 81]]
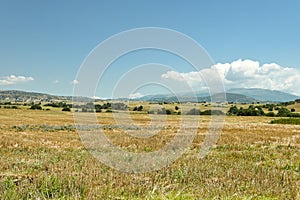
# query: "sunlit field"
[[42, 157]]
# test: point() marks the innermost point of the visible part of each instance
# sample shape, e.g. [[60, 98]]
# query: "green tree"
[[140, 108], [283, 112], [233, 110]]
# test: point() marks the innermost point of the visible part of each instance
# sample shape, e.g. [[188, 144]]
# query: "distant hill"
[[238, 95], [24, 96], [264, 94], [230, 97]]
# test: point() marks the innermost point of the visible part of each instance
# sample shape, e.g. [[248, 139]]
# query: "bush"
[[283, 112], [98, 110], [286, 121], [140, 108], [295, 115], [168, 112], [66, 109], [106, 106], [36, 107], [212, 112], [233, 110], [270, 114]]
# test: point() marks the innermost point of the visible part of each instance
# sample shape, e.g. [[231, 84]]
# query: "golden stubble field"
[[42, 157]]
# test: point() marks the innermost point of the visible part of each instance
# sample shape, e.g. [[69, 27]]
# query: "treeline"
[[193, 111], [258, 111]]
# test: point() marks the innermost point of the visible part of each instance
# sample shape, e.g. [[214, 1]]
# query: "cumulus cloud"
[[56, 81], [244, 74], [13, 79]]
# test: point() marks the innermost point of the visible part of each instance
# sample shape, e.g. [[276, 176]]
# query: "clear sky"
[[43, 43]]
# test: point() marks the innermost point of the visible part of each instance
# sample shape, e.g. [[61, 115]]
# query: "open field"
[[41, 156]]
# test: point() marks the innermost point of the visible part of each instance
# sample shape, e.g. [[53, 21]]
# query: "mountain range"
[[237, 95]]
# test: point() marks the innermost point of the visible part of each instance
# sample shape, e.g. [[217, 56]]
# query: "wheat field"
[[42, 157]]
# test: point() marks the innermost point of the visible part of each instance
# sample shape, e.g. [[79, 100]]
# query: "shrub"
[[36, 107], [212, 112], [270, 114], [233, 110], [250, 111], [286, 121], [66, 109], [283, 112], [98, 110], [168, 112], [106, 106], [140, 108]]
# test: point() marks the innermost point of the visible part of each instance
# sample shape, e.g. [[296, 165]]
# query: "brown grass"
[[42, 157]]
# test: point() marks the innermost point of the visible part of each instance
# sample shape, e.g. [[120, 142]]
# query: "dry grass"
[[42, 157]]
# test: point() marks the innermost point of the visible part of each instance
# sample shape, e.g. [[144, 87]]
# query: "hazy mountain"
[[231, 97], [24, 96], [264, 94], [239, 95], [237, 98]]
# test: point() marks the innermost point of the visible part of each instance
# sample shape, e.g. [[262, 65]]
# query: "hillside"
[[264, 94], [24, 96], [238, 95]]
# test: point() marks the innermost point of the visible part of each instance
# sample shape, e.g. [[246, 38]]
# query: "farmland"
[[43, 157]]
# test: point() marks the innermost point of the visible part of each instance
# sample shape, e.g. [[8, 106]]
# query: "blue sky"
[[43, 43]]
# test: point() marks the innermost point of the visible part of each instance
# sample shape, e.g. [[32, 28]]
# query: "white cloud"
[[75, 82], [244, 74], [56, 81], [13, 79], [135, 95]]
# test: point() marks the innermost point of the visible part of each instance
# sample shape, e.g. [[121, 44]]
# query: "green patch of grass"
[[294, 121]]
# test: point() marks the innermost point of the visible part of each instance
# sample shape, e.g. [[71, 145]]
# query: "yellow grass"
[[42, 156]]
